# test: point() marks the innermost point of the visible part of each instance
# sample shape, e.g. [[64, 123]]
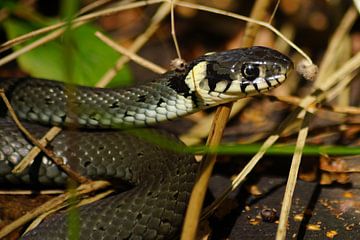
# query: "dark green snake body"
[[159, 181]]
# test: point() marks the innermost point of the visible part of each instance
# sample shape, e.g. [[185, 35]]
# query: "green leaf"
[[91, 60]]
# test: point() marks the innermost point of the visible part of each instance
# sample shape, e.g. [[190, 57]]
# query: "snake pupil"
[[250, 71]]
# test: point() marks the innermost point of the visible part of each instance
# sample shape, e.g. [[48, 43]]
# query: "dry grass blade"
[[345, 110], [161, 13], [247, 19], [325, 68], [328, 86], [241, 176], [306, 103], [72, 194], [95, 198], [173, 31], [38, 219], [193, 212], [57, 160], [115, 9], [318, 95], [335, 91], [239, 179], [202, 127], [27, 36], [93, 5], [139, 60], [81, 19], [51, 204], [291, 183], [75, 23], [347, 68], [36, 44], [27, 160], [30, 192], [24, 37], [330, 96], [54, 131]]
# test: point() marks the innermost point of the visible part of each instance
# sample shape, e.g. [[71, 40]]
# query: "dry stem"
[[221, 116], [27, 160], [136, 58], [51, 204], [57, 160]]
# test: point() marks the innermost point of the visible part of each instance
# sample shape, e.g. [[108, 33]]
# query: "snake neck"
[[209, 80], [53, 103]]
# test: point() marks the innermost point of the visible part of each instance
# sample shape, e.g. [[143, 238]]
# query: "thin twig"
[[92, 6], [73, 194], [247, 19], [27, 160], [315, 97], [81, 19], [161, 13], [24, 37], [239, 179], [304, 104], [31, 192], [35, 44], [193, 211], [173, 31], [274, 11], [292, 178], [51, 204], [293, 100], [202, 127], [136, 58], [336, 39], [57, 160]]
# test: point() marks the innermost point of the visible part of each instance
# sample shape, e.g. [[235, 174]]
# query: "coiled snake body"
[[159, 181]]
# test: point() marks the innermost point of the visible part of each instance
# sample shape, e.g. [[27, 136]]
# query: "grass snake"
[[158, 181]]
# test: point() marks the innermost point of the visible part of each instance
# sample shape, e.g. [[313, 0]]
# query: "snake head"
[[230, 75]]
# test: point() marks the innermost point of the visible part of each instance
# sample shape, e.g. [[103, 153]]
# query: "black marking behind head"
[[177, 82]]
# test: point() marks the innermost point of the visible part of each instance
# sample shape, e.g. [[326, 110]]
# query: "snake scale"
[[157, 181]]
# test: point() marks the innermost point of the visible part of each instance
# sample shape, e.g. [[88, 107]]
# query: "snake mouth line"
[[256, 86]]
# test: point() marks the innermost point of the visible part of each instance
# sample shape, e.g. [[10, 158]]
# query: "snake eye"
[[250, 71]]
